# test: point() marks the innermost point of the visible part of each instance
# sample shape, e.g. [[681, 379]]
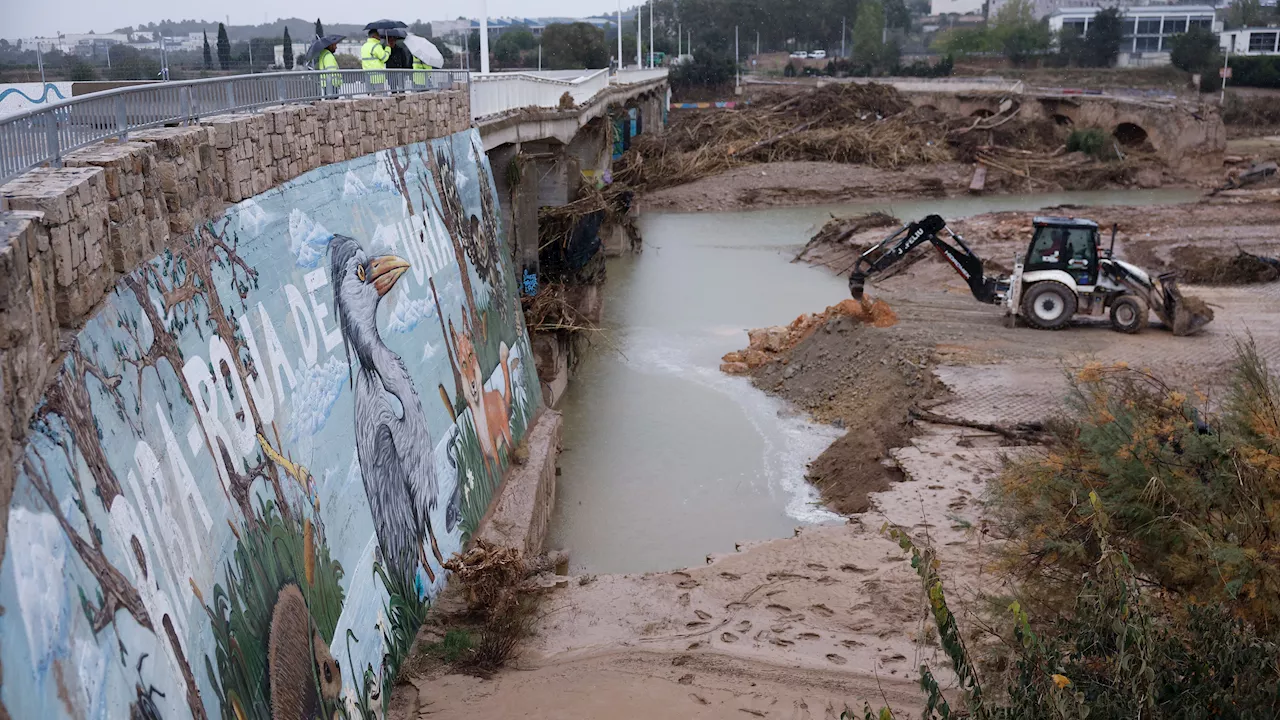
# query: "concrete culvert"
[[1131, 136], [981, 113], [1063, 120]]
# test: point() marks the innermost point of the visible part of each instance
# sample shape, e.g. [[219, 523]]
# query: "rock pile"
[[767, 344]]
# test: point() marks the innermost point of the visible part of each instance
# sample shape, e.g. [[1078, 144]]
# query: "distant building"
[[1147, 29], [1251, 41], [956, 7]]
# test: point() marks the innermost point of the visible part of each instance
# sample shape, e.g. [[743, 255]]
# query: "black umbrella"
[[384, 24], [319, 44], [395, 33]]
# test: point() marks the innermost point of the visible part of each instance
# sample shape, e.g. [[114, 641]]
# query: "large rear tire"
[[1048, 305], [1129, 314]]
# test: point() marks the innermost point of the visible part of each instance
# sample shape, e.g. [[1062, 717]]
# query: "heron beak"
[[385, 271]]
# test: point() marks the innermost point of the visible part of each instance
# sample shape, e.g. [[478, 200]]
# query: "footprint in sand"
[[694, 646], [683, 599], [777, 608], [702, 615], [699, 699], [895, 657], [736, 606], [822, 610], [779, 629], [686, 679], [743, 626], [780, 642], [855, 569], [817, 566], [729, 637], [851, 644], [686, 584], [834, 658], [730, 576], [695, 624], [827, 580], [679, 660], [808, 636]]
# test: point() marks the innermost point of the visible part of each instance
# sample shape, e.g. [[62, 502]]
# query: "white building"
[[1147, 29], [955, 7], [1251, 41]]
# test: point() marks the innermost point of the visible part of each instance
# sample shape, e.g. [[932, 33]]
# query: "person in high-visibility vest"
[[420, 78], [329, 82], [373, 56]]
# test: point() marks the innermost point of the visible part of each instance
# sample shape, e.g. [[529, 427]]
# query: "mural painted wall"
[[236, 499], [16, 97]]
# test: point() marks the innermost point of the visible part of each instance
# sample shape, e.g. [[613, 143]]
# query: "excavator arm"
[[932, 229]]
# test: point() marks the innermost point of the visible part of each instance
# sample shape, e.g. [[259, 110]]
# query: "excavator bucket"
[[1184, 314], [857, 283]]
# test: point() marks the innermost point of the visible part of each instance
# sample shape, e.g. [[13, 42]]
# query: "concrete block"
[[522, 510]]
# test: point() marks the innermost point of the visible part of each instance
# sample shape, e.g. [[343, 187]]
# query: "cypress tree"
[[224, 48], [208, 55], [288, 49]]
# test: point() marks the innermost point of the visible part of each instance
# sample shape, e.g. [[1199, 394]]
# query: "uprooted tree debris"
[[869, 124]]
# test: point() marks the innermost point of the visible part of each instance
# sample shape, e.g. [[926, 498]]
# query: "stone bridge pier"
[[1184, 135]]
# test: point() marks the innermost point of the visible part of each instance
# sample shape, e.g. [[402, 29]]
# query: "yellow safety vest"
[[420, 78], [328, 62], [373, 56]]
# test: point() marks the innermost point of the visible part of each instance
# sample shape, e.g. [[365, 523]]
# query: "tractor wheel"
[[1129, 314], [1048, 305]]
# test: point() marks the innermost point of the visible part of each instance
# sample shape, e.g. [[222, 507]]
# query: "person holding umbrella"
[[330, 82], [399, 59], [373, 56]]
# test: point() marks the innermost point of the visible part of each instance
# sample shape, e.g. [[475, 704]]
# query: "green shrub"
[[1090, 141], [1255, 71]]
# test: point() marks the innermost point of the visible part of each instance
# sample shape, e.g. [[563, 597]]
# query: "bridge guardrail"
[[43, 135], [497, 93]]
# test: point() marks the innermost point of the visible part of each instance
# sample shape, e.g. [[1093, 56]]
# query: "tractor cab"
[[1066, 244]]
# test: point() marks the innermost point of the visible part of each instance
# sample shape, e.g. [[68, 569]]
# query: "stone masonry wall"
[[68, 234]]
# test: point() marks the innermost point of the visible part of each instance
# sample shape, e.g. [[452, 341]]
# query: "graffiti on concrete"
[[237, 497], [24, 96]]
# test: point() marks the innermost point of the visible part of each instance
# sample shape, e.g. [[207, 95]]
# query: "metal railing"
[[43, 135]]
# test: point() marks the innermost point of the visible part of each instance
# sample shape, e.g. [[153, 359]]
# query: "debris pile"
[[849, 123], [1241, 269], [867, 124], [768, 344]]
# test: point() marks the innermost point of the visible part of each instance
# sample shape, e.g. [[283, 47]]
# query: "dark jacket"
[[400, 58]]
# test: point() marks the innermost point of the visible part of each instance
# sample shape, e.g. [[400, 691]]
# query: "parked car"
[[799, 54], [818, 54]]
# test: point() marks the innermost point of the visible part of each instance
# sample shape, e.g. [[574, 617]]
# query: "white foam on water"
[[789, 440]]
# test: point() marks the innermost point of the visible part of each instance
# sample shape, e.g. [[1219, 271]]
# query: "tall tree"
[[319, 28], [868, 33], [208, 54], [288, 49], [1017, 32], [224, 48], [1102, 42], [574, 45], [1196, 51]]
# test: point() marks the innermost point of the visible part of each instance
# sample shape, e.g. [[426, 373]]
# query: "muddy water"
[[665, 458]]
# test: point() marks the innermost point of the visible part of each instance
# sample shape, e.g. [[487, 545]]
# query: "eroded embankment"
[[845, 366]]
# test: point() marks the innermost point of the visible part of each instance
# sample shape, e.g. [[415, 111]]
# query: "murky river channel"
[[665, 458]]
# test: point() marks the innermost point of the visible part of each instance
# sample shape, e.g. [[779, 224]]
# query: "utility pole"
[[842, 34], [650, 34], [40, 62], [737, 65], [250, 51], [639, 37], [1222, 99], [484, 36], [679, 40], [619, 35], [539, 57], [757, 43]]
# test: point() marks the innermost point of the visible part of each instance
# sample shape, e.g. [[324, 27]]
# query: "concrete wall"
[[253, 457]]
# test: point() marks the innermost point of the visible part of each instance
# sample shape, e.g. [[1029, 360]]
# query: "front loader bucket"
[[1184, 314]]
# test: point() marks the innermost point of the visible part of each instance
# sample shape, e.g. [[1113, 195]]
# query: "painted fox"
[[490, 409]]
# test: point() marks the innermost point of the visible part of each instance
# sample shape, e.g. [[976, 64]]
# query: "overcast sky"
[[25, 18]]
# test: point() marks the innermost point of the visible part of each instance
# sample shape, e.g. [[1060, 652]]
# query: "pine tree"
[[288, 49], [319, 29], [224, 48], [208, 55]]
